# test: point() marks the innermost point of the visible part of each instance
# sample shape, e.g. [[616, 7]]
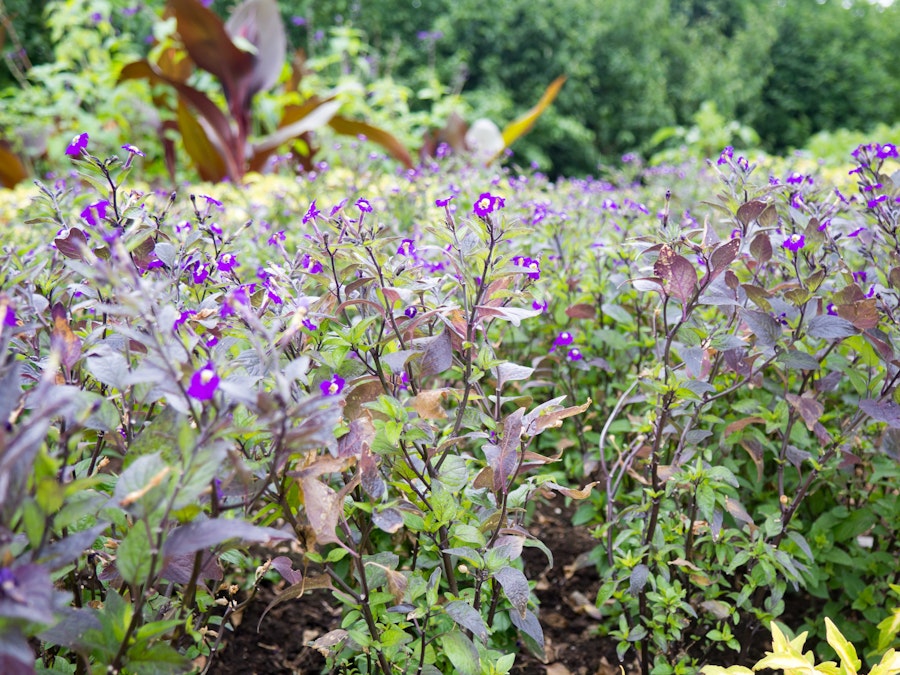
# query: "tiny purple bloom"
[[726, 154], [200, 272], [310, 264], [887, 150], [411, 311], [212, 201], [98, 208], [442, 203], [276, 238], [9, 316], [539, 306], [794, 243], [227, 262], [574, 354], [78, 145], [133, 150], [857, 232], [311, 213], [332, 387], [564, 339], [336, 209], [204, 383], [309, 325], [486, 204], [182, 318], [364, 205], [407, 247]]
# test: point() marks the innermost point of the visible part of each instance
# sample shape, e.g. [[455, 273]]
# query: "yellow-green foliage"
[[788, 656]]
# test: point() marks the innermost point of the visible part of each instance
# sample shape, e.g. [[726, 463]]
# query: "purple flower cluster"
[[530, 263], [486, 204]]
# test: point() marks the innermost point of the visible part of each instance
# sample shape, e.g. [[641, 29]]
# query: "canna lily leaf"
[[12, 171], [258, 22], [211, 48], [523, 124], [201, 150], [394, 147]]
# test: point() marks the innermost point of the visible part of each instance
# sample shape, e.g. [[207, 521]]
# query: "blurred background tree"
[[786, 69]]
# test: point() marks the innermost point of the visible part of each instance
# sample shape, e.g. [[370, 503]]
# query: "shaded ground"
[[566, 594]]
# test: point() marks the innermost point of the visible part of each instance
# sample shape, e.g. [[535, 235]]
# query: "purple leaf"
[[467, 617], [829, 327], [203, 534], [766, 329], [504, 458], [438, 355], [530, 627], [515, 588], [259, 23], [285, 567], [180, 568], [882, 411]]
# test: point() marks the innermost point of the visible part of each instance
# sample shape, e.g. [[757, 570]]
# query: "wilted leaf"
[[427, 404], [523, 124], [571, 493], [296, 591], [331, 643], [808, 407], [539, 420], [285, 567], [863, 314]]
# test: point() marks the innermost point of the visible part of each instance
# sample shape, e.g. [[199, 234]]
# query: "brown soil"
[[566, 593]]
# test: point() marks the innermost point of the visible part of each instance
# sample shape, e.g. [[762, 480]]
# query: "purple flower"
[[133, 150], [298, 20], [574, 354], [539, 306], [9, 316], [311, 213], [227, 262], [98, 208], [486, 204], [887, 150], [332, 387], [337, 208], [872, 203], [239, 297], [204, 383], [310, 325], [407, 247], [794, 243], [443, 203], [212, 201], [609, 205], [857, 232], [364, 205], [182, 318], [795, 178], [276, 238], [200, 272], [78, 145], [564, 339], [410, 311], [310, 264], [832, 310], [725, 155]]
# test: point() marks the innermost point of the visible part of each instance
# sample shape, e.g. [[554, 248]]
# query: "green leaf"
[[462, 653], [133, 557], [845, 651]]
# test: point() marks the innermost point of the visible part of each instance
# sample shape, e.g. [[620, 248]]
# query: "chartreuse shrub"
[[787, 655]]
